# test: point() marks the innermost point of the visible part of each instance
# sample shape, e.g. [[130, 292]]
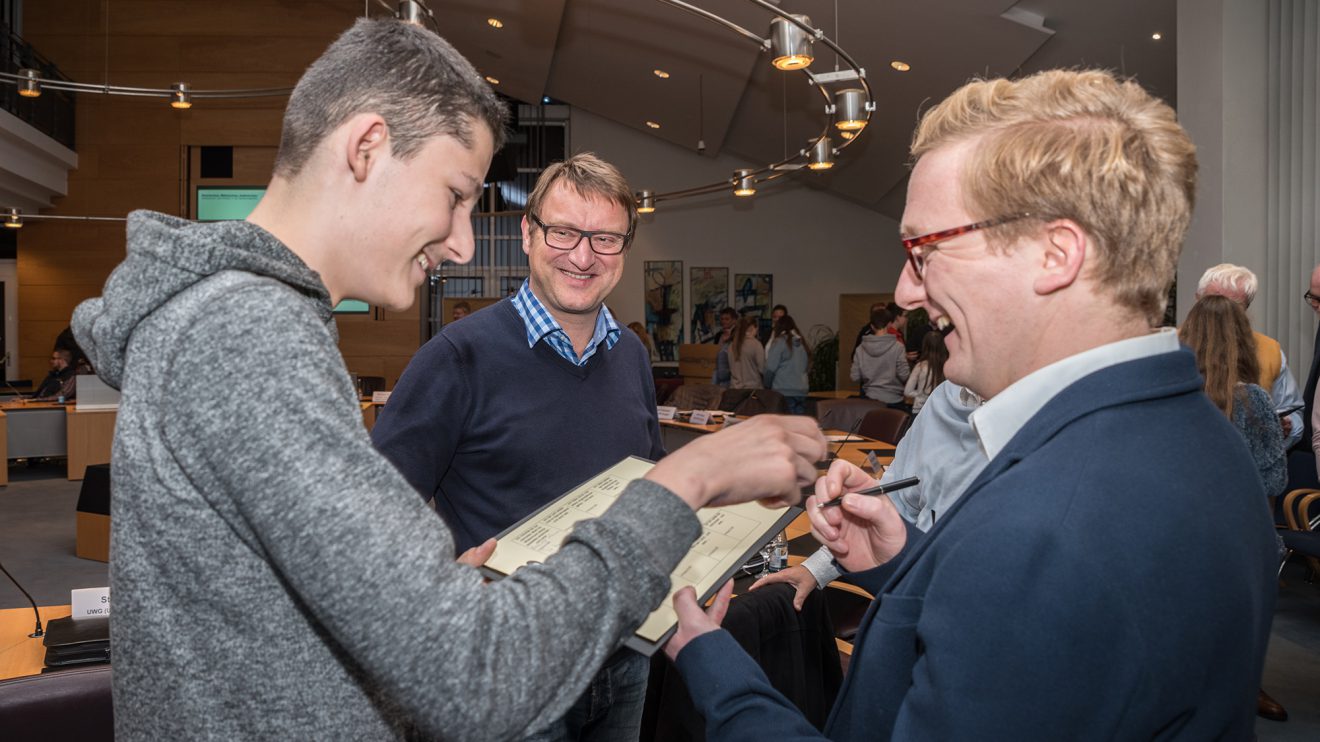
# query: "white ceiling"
[[599, 55]]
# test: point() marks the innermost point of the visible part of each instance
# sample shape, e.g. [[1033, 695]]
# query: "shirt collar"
[[539, 323], [999, 419]]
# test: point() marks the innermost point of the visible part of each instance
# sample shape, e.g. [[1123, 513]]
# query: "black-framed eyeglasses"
[[918, 248], [568, 238], [1312, 299]]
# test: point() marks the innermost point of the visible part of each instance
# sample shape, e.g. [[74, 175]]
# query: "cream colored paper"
[[727, 534]]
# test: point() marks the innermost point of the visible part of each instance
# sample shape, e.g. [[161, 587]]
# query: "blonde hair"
[[588, 176], [1079, 145]]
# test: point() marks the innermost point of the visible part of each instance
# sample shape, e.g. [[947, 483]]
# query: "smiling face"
[[572, 284], [983, 296], [418, 215]]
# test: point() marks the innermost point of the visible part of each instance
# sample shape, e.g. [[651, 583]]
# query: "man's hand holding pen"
[[862, 531]]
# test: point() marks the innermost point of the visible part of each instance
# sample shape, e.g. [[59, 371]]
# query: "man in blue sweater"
[[509, 409], [1110, 574]]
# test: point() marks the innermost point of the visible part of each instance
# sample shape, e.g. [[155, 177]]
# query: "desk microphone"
[[832, 455], [38, 632]]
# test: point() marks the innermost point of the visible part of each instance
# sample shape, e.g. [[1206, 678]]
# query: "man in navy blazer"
[[1110, 574]]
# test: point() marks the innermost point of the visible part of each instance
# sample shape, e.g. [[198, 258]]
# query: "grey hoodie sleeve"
[[287, 462]]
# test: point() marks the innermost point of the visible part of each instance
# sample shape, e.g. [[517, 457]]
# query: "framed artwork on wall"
[[753, 293], [664, 306], [710, 293]]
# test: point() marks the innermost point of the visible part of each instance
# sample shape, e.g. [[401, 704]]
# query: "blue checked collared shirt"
[[540, 325]]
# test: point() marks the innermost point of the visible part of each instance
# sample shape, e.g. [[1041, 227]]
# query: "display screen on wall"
[[228, 203], [221, 203]]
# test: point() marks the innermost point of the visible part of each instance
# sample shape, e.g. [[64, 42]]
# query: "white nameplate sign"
[[731, 419], [380, 397], [666, 412], [91, 602], [701, 417]]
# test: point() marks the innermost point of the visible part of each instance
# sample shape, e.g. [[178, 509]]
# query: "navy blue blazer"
[[1109, 575]]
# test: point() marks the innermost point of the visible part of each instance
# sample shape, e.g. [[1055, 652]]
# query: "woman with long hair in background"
[[786, 364]]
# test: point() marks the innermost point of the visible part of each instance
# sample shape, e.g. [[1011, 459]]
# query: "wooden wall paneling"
[[854, 311]]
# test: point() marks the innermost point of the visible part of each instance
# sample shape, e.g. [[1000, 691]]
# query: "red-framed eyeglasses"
[[917, 246]]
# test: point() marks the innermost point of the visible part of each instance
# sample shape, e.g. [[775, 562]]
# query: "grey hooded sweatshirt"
[[880, 363], [273, 576]]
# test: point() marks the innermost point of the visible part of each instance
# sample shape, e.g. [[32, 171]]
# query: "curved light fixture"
[[645, 202], [790, 43], [790, 36], [821, 154], [411, 11], [29, 85], [14, 220], [851, 111], [744, 184], [181, 96]]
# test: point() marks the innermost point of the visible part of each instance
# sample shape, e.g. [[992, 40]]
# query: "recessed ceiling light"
[[900, 66], [653, 124], [492, 80], [1157, 36], [660, 74], [495, 22]]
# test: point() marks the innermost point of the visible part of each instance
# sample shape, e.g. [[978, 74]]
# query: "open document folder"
[[729, 537]]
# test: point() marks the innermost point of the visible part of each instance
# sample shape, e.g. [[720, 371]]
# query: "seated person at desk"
[[880, 361], [61, 382], [1043, 223], [507, 410], [277, 578]]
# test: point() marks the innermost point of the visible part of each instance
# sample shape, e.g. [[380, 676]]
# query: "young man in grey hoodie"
[[880, 361], [274, 577]]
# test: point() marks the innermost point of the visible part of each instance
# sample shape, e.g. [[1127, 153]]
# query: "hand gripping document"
[[729, 537]]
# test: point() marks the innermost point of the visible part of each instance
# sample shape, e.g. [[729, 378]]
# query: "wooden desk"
[[87, 438], [834, 394], [91, 436], [19, 654]]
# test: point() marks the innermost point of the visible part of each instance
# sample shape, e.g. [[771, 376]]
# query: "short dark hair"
[[729, 312], [881, 318], [463, 305], [414, 79], [778, 308]]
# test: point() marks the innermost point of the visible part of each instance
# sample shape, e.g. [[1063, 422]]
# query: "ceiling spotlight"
[[492, 80], [410, 11], [744, 183], [653, 124], [30, 86], [900, 66], [850, 109], [790, 44], [646, 202], [821, 154], [1157, 36], [495, 22], [182, 95], [14, 220], [660, 74]]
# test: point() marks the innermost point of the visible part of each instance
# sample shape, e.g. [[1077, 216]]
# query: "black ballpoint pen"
[[879, 489]]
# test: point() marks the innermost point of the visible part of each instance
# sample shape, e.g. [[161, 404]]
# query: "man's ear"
[[1065, 247], [526, 236], [367, 140]]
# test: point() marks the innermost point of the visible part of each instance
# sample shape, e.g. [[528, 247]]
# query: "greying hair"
[[1229, 280], [588, 176], [411, 77]]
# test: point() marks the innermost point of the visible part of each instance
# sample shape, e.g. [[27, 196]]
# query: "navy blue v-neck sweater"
[[493, 429]]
